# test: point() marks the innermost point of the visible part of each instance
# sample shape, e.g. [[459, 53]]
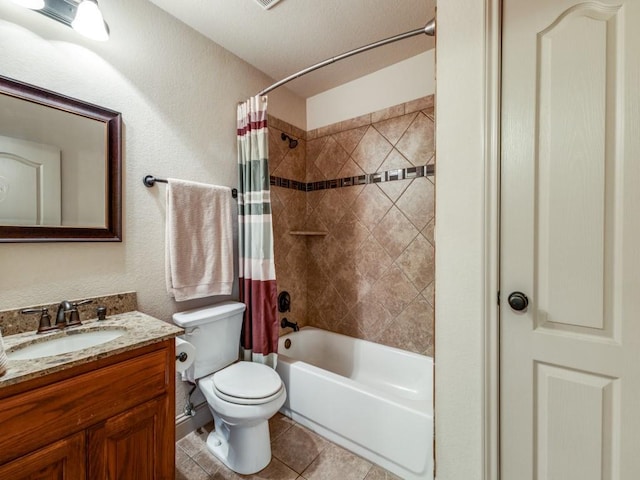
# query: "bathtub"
[[371, 399]]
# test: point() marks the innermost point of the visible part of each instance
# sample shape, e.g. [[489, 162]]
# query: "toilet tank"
[[214, 331]]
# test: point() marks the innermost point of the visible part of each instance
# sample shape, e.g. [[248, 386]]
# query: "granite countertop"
[[141, 330]]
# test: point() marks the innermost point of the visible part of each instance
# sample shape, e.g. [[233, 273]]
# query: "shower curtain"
[[257, 273]]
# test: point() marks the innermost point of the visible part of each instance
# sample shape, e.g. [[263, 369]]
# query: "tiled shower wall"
[[289, 214], [371, 276]]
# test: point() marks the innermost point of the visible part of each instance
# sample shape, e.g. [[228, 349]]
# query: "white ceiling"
[[295, 34]]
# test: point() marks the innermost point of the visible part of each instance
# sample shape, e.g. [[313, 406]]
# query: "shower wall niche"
[[364, 188]]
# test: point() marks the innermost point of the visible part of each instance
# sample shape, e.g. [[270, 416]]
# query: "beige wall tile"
[[350, 195], [394, 128], [428, 232], [394, 290], [314, 148], [371, 318], [331, 129], [331, 159], [430, 112], [371, 151], [372, 259], [419, 104], [331, 209], [393, 190], [350, 169], [417, 262], [350, 232], [313, 174], [413, 328], [349, 139], [395, 232], [371, 206], [429, 293], [351, 284], [354, 123], [293, 165], [394, 161], [417, 144], [346, 281], [387, 113], [417, 202]]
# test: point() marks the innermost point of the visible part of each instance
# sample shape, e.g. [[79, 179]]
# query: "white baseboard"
[[186, 424]]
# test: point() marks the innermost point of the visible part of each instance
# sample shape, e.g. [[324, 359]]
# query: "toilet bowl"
[[241, 410], [242, 396]]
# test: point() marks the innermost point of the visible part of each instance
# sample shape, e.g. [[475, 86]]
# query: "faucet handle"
[[74, 316], [45, 319]]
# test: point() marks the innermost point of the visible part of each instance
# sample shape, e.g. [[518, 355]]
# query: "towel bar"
[[150, 181]]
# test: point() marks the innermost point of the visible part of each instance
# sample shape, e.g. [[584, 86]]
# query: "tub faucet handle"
[[284, 302]]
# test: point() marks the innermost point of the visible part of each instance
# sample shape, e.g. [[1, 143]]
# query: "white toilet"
[[242, 396]]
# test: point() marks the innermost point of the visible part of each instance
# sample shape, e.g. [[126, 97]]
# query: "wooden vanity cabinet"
[[109, 419], [64, 459]]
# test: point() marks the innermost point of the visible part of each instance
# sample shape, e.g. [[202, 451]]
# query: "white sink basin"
[[69, 343]]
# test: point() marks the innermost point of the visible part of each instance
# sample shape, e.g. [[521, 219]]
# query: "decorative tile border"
[[378, 177]]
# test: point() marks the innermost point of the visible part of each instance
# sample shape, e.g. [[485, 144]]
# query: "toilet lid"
[[247, 380]]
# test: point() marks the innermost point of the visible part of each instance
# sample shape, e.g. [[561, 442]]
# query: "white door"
[[570, 240], [30, 189]]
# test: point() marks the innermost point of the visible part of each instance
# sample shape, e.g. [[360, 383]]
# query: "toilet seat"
[[247, 383]]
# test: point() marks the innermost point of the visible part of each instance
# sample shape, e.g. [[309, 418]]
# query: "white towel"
[[199, 240], [3, 358]]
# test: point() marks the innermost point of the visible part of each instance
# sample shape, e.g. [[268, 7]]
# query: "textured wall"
[[177, 92], [398, 83], [468, 41], [372, 275]]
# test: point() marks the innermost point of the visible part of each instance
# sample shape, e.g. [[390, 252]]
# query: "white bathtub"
[[371, 399]]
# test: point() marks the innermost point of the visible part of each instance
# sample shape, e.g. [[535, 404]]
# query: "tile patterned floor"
[[297, 454]]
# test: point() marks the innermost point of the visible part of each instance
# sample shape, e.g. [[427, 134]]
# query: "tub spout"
[[286, 323]]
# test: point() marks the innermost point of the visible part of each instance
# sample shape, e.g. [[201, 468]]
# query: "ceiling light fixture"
[[31, 4], [89, 21], [84, 16]]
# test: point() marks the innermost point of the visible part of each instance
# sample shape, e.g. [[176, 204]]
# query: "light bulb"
[[32, 4], [89, 21]]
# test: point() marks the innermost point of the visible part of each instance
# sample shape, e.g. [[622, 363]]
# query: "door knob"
[[518, 301]]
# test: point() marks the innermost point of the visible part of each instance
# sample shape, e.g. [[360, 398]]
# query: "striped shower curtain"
[[255, 235]]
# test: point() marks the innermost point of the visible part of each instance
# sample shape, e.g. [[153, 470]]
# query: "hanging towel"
[[3, 358], [199, 240]]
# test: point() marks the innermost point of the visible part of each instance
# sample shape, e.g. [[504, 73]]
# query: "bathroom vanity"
[[105, 412]]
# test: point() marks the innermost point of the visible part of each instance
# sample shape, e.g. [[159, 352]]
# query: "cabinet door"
[[135, 445], [62, 460]]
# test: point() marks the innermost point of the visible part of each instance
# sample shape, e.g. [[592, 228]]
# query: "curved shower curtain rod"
[[429, 29]]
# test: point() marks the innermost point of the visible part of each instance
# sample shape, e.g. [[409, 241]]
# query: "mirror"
[[60, 167]]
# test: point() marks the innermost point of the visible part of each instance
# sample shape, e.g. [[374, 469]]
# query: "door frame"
[[467, 239], [493, 95]]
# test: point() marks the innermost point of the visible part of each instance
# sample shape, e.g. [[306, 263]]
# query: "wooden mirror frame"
[[113, 216]]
